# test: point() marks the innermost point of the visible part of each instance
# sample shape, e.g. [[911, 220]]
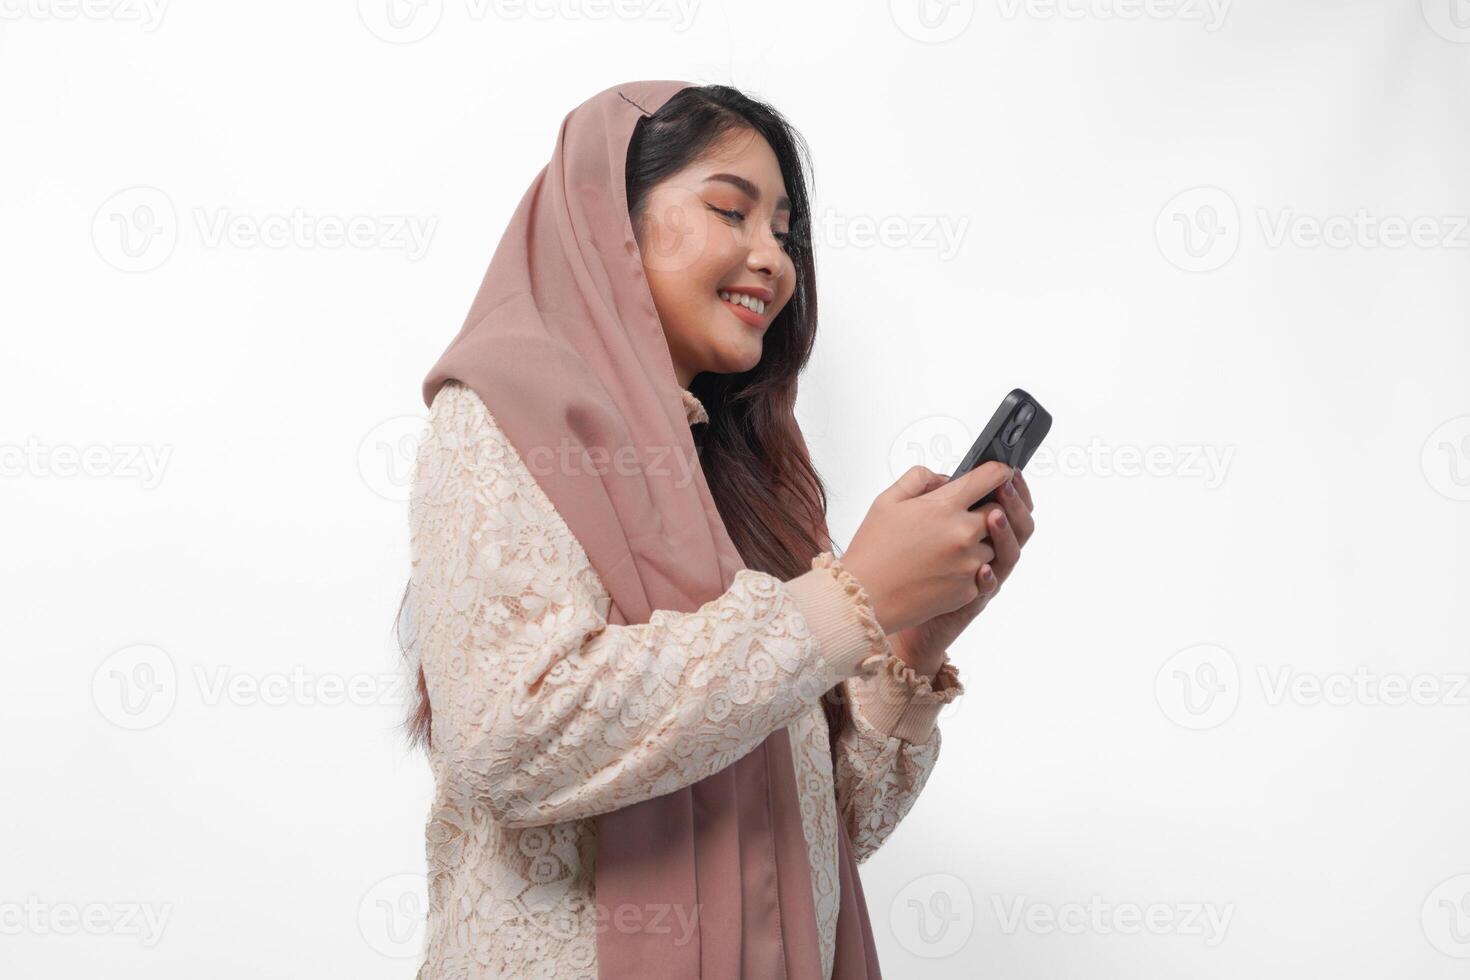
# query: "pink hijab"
[[565, 348]]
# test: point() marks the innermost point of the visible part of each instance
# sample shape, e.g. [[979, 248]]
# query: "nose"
[[766, 258]]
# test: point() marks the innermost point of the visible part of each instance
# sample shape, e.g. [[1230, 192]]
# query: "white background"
[[1130, 204]]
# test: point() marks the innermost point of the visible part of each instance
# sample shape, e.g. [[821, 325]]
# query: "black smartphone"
[[1011, 436]]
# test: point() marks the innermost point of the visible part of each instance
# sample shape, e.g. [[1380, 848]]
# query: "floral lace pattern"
[[544, 715]]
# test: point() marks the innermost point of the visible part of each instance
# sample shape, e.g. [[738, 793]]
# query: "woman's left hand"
[[1010, 526]]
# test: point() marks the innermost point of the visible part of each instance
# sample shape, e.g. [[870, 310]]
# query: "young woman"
[[665, 720]]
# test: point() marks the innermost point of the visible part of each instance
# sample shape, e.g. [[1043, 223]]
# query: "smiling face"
[[712, 241]]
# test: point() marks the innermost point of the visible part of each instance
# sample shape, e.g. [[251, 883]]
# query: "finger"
[[970, 487], [1016, 511], [1023, 490], [989, 583], [1003, 540], [915, 482]]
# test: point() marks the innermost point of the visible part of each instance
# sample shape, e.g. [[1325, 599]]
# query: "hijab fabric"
[[563, 345]]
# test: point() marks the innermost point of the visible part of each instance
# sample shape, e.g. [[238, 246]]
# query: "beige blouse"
[[545, 715]]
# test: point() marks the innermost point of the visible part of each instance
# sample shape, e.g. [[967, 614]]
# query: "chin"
[[741, 357]]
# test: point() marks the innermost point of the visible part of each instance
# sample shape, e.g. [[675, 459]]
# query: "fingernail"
[[1009, 489], [987, 574], [1000, 518]]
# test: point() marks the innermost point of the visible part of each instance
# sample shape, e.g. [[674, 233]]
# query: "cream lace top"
[[545, 715]]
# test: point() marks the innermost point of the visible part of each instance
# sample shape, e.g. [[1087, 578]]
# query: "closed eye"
[[784, 237]]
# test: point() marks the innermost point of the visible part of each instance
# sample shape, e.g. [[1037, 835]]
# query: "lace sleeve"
[[885, 756], [544, 711]]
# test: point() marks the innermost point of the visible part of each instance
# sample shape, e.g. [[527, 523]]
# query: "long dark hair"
[[755, 460]]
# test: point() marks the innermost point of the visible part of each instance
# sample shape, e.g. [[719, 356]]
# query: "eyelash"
[[784, 237]]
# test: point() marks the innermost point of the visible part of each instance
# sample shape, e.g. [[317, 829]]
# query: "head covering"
[[565, 348]]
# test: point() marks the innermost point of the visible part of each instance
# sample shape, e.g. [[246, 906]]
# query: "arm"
[[545, 712], [884, 757]]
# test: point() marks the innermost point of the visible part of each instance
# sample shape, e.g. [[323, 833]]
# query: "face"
[[712, 241]]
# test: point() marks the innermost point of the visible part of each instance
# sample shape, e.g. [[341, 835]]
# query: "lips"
[[744, 314]]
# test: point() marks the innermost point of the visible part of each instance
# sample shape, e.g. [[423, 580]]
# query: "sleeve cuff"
[[840, 614], [904, 704]]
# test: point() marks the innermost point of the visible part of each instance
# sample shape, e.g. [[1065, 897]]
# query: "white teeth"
[[749, 302]]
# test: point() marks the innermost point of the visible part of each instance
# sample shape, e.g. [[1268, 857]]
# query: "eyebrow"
[[783, 203]]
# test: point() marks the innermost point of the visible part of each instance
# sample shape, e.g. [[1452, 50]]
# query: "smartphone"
[[1011, 436]]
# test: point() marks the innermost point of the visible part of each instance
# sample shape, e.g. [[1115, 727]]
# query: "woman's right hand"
[[919, 550]]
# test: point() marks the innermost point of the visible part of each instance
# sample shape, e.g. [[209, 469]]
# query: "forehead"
[[745, 155]]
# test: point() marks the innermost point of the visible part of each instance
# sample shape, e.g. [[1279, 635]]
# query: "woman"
[[665, 721]]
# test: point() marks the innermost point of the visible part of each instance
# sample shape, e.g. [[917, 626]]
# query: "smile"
[[747, 308]]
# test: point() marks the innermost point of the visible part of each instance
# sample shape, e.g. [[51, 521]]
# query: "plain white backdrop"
[[1215, 724]]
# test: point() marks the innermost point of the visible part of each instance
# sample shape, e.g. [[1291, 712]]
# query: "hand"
[[1010, 526]]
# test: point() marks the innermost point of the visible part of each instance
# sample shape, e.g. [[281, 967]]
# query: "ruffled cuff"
[[840, 613], [902, 703]]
